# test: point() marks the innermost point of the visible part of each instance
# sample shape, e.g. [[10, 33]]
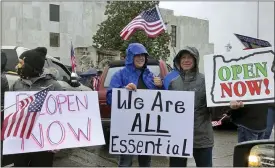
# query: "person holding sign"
[[32, 78], [4, 88], [251, 120], [135, 75], [186, 77], [270, 113]]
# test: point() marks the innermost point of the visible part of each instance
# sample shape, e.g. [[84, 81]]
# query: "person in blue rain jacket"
[[135, 75]]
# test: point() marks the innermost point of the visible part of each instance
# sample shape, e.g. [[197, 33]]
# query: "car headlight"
[[261, 156], [254, 161]]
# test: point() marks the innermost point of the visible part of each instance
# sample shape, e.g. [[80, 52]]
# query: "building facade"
[[187, 31], [51, 24], [55, 24]]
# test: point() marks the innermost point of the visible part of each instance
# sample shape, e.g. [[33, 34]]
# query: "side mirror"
[[254, 154], [74, 80]]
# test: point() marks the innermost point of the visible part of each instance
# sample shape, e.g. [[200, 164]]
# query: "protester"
[[270, 114], [4, 81], [4, 88], [135, 75], [270, 121], [32, 78], [122, 56], [186, 77], [250, 119], [88, 81]]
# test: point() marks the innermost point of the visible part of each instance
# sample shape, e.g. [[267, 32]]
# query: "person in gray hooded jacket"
[[4, 88], [32, 78], [186, 77]]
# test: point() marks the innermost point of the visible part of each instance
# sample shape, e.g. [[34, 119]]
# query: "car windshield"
[[153, 68], [12, 59]]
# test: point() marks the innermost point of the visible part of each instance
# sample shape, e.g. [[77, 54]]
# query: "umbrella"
[[90, 72]]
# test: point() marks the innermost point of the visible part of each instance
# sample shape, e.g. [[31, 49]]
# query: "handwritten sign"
[[245, 75], [67, 120], [152, 122]]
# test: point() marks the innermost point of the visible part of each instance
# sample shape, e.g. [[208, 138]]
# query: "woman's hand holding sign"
[[131, 86], [157, 81], [236, 104]]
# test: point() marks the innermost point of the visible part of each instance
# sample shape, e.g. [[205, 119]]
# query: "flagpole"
[[165, 29], [161, 18]]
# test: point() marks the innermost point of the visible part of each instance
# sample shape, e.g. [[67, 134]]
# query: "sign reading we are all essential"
[[244, 76], [68, 119], [152, 122]]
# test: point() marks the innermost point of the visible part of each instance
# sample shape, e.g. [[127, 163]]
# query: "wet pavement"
[[225, 141]]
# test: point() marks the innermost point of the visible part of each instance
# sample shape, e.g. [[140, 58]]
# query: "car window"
[[153, 68], [12, 59], [58, 70]]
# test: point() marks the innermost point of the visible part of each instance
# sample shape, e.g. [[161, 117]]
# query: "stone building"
[[55, 24], [187, 31]]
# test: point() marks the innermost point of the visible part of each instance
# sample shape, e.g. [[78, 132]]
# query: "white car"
[[52, 64]]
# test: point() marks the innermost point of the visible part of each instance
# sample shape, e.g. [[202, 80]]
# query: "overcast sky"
[[226, 18]]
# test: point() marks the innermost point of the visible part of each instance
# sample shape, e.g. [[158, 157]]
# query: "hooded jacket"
[[130, 74], [37, 83], [193, 81]]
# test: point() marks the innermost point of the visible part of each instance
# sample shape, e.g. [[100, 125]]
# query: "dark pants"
[[127, 161], [245, 134], [202, 156], [270, 122], [36, 159]]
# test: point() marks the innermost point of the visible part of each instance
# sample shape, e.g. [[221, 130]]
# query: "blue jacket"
[[129, 74]]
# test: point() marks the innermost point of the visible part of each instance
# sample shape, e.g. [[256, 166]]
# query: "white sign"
[[152, 122], [68, 120], [245, 75]]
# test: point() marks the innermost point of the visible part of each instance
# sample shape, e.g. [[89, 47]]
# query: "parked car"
[[254, 154], [159, 68], [52, 65]]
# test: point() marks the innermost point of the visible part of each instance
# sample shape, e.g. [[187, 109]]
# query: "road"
[[225, 141]]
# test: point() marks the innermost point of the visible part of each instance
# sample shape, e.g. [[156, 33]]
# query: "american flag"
[[216, 123], [73, 60], [21, 122], [150, 21], [95, 82]]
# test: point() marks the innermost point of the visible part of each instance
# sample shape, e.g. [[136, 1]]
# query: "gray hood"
[[36, 83], [193, 51], [45, 76]]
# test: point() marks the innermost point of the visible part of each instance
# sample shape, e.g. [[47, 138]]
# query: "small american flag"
[[150, 21], [73, 60], [216, 123], [21, 122]]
